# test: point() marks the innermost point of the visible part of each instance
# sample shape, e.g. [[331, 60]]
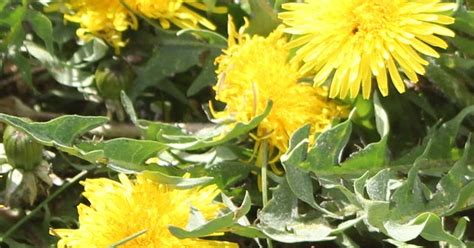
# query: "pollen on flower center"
[[370, 16]]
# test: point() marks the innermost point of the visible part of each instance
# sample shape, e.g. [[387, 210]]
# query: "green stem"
[[41, 205], [127, 239], [263, 163], [460, 4], [262, 160], [277, 5]]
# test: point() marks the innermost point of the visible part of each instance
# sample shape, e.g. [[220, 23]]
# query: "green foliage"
[[452, 74], [402, 208], [263, 18], [63, 133], [68, 72], [175, 54], [13, 15], [199, 227]]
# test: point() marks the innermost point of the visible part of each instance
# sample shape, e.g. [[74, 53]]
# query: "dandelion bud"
[[113, 76], [22, 151]]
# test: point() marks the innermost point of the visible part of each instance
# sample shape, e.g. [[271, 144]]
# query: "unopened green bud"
[[113, 76], [22, 151]]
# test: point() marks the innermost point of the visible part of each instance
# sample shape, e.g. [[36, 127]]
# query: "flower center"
[[371, 16]]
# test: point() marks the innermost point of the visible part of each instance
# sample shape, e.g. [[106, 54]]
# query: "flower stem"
[[263, 163], [262, 160], [460, 4]]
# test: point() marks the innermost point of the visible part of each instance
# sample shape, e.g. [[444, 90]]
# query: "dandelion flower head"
[[104, 19], [353, 41], [119, 210], [108, 19], [177, 12], [254, 70]]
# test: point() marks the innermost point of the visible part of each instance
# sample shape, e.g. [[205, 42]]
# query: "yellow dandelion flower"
[[108, 19], [176, 12], [119, 210], [353, 40], [104, 19], [254, 70]]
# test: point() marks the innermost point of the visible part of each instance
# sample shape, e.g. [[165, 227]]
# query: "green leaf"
[[178, 182], [63, 33], [14, 38], [121, 154], [381, 118], [263, 18], [207, 76], [300, 181], [465, 199], [465, 45], [415, 210], [242, 227], [63, 72], [378, 187], [210, 4], [92, 51], [24, 67], [247, 231], [209, 36], [329, 146], [443, 138], [200, 229], [410, 197], [461, 227], [174, 54], [421, 101], [454, 185], [163, 132], [61, 132], [456, 63], [280, 220], [239, 212], [228, 173], [324, 157], [401, 244], [13, 243], [207, 229], [176, 139], [129, 109], [12, 17], [375, 211], [451, 85], [171, 89], [42, 26], [3, 4], [464, 21], [428, 225], [375, 155]]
